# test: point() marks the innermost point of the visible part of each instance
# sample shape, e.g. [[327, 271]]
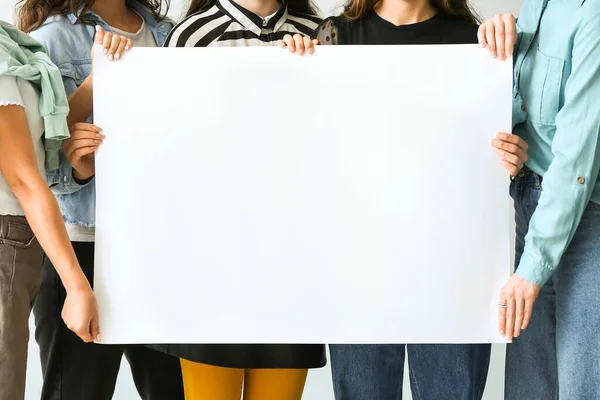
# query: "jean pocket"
[[546, 82], [18, 235]]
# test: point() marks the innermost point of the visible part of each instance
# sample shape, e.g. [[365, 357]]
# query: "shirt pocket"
[[545, 87]]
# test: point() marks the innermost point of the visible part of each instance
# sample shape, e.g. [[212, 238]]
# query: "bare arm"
[[81, 103], [18, 165]]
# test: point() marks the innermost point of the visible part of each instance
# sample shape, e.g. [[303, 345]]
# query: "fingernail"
[[117, 56], [97, 338], [105, 51], [126, 47], [97, 28], [494, 55]]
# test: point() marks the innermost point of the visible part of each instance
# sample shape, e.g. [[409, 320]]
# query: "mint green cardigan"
[[23, 57]]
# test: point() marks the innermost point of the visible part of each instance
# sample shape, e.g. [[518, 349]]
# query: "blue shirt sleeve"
[[571, 178]]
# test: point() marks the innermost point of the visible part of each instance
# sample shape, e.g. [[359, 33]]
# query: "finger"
[[512, 169], [99, 38], [83, 143], [81, 152], [316, 42], [128, 44], [511, 158], [490, 37], [95, 328], [114, 45], [120, 48], [527, 313], [519, 313], [510, 317], [502, 316], [309, 45], [500, 32], [81, 134], [514, 139], [290, 43], [84, 126], [106, 42], [511, 34], [281, 44], [506, 146], [481, 36], [299, 41]]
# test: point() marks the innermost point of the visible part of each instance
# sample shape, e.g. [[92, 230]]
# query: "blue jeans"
[[558, 356], [437, 372]]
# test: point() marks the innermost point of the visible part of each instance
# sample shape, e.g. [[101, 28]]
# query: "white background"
[[319, 383]]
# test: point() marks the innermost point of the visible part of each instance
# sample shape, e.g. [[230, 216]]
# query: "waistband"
[[527, 176]]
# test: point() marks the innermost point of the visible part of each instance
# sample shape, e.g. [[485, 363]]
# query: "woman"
[[72, 369], [557, 205], [32, 102], [263, 372], [437, 372]]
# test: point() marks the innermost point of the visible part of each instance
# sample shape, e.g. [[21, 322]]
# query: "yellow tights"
[[205, 382]]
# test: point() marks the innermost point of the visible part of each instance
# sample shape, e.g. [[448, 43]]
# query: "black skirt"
[[285, 356]]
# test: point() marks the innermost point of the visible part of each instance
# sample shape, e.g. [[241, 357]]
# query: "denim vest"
[[69, 44]]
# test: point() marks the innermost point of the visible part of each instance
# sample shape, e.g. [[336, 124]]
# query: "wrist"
[[77, 283], [81, 178]]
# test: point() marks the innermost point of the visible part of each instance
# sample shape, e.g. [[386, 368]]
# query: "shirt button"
[[65, 179], [264, 22], [581, 180], [77, 76], [523, 108]]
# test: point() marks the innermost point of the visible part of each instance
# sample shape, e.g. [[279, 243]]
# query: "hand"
[[79, 149], [298, 44], [512, 151], [113, 46], [518, 295], [499, 35], [80, 314]]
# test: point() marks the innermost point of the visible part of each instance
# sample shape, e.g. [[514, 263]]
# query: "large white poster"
[[347, 197]]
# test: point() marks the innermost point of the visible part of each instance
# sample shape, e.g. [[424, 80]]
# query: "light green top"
[[21, 56]]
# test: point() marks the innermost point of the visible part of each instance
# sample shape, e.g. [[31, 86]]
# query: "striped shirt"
[[227, 24]]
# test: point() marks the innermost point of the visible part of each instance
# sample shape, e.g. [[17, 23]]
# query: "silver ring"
[[502, 305]]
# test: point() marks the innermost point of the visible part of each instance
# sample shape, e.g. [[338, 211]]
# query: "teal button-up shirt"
[[556, 109]]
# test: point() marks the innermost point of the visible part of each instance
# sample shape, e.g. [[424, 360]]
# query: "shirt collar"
[[158, 28], [145, 13], [253, 22]]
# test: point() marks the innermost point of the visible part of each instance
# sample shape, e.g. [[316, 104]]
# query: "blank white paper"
[[249, 195]]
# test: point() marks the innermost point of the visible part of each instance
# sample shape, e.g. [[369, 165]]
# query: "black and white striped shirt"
[[227, 24]]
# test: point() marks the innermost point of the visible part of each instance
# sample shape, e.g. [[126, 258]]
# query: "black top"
[[372, 29]]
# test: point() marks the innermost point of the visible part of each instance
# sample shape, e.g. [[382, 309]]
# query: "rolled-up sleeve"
[[571, 178]]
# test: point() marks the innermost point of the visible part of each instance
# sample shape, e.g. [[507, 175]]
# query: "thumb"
[[95, 328]]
